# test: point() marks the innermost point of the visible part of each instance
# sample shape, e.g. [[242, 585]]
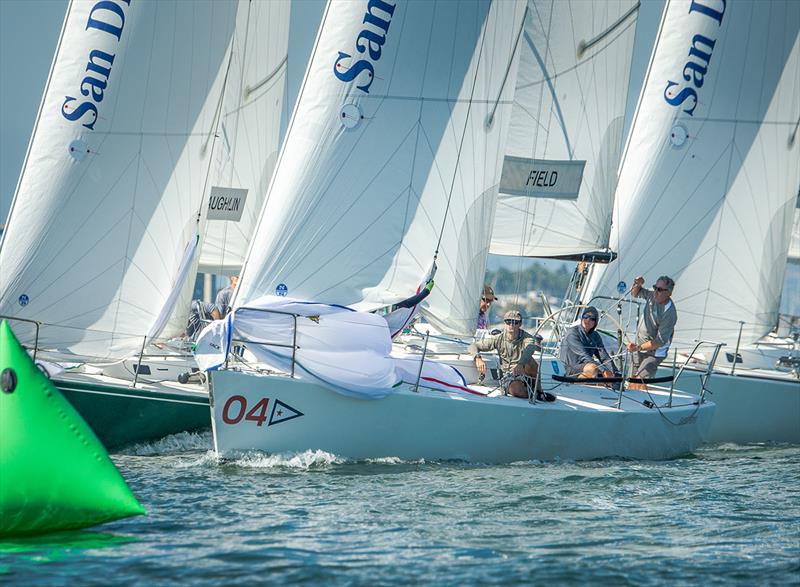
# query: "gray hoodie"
[[579, 347]]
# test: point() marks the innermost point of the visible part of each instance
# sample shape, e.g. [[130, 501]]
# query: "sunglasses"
[[592, 318], [487, 300], [513, 322], [660, 289]]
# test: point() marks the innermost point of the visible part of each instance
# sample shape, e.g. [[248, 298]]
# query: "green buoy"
[[54, 473]]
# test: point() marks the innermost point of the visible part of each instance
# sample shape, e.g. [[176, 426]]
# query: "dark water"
[[726, 515]]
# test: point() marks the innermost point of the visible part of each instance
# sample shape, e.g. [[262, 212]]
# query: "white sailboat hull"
[[751, 407], [278, 414]]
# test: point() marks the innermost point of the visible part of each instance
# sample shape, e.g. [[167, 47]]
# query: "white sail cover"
[[709, 180], [389, 148], [249, 132], [106, 212], [565, 139]]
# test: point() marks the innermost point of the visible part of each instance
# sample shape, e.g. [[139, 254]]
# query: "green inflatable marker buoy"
[[54, 473]]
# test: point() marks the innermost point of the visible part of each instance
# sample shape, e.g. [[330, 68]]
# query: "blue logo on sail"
[[281, 290], [109, 17], [696, 66], [23, 300], [370, 40]]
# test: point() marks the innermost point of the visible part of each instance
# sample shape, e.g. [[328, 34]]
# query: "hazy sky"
[[29, 31]]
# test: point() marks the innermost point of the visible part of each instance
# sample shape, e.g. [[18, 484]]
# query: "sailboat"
[[392, 163], [707, 193], [138, 129]]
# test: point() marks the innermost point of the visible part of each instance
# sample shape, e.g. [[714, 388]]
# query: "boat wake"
[[172, 444], [304, 461]]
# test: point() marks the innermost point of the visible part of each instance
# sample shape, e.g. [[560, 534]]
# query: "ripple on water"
[[728, 514]]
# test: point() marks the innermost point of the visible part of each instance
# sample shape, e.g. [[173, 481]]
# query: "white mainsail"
[[249, 133], [392, 155], [709, 179], [565, 140], [105, 221]]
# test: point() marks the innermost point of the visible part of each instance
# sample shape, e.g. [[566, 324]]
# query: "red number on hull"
[[242, 407], [261, 416]]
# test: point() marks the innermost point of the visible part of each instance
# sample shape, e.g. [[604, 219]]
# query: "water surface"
[[724, 515]]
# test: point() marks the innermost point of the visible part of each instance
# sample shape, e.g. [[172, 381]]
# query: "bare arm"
[[637, 286]]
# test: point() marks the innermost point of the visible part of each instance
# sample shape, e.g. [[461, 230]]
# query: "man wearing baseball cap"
[[582, 350], [486, 300], [515, 347]]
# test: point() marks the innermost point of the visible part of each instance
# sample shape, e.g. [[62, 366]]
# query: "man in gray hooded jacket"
[[582, 350]]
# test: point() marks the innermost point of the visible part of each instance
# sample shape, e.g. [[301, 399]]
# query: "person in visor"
[[582, 350], [515, 348]]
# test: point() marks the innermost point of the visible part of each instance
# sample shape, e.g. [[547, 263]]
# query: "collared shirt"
[[657, 322], [511, 352]]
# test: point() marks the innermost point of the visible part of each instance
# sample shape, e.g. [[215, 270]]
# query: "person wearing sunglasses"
[[656, 325], [582, 350], [483, 311], [515, 348]]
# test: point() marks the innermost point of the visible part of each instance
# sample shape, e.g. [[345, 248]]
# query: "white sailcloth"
[[565, 139], [390, 142], [794, 243], [709, 180], [108, 203], [249, 132]]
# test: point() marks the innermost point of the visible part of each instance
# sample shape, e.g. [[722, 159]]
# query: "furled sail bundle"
[[565, 140], [709, 179], [101, 241], [392, 159]]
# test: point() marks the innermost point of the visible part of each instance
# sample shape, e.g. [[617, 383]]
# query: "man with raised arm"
[[656, 326]]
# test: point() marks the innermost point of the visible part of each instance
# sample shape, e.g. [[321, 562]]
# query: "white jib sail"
[[108, 200], [709, 179], [565, 139], [389, 142], [248, 133]]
